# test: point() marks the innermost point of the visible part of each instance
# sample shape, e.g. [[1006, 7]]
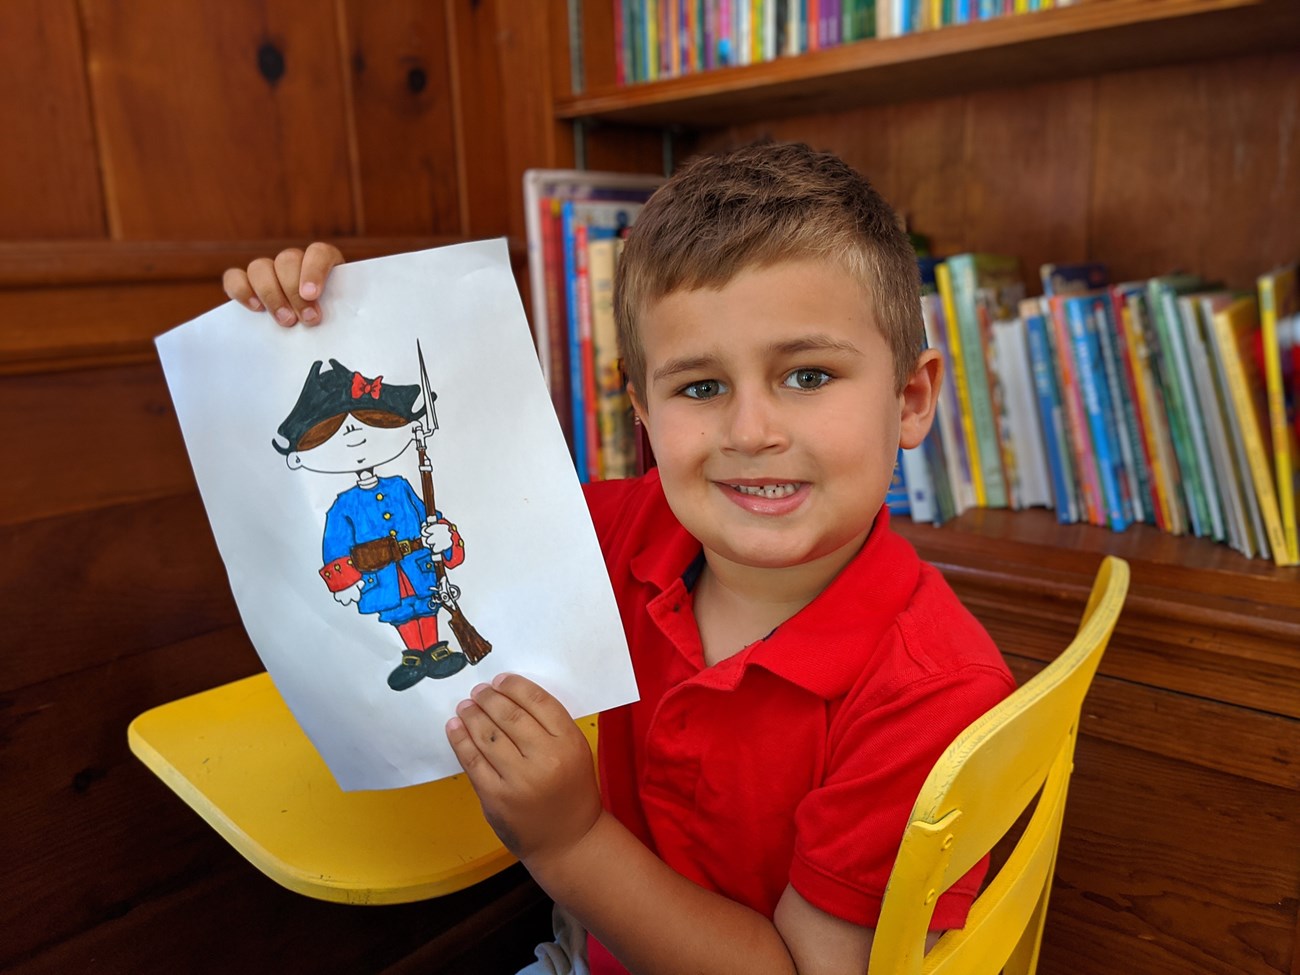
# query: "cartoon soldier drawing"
[[385, 549]]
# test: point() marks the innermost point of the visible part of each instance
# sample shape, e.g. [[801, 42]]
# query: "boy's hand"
[[437, 537], [530, 765], [288, 286]]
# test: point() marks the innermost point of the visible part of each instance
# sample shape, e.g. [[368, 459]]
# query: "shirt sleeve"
[[848, 830]]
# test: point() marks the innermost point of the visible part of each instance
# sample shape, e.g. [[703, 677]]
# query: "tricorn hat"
[[340, 390]]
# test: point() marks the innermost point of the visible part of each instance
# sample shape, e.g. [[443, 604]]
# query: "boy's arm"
[[533, 773]]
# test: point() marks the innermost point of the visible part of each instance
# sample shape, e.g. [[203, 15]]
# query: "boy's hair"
[[758, 205]]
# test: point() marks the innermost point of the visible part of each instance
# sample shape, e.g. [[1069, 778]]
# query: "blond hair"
[[756, 206]]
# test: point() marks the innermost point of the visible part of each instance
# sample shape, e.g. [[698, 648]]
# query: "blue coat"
[[391, 509]]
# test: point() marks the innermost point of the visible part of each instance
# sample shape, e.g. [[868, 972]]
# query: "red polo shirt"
[[798, 759]]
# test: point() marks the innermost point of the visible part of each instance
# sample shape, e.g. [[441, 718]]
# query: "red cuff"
[[457, 547], [340, 574]]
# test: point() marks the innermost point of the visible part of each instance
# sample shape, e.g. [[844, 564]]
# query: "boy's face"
[[771, 409], [354, 447]]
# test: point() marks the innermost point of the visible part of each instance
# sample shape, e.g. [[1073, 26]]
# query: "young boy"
[[800, 668]]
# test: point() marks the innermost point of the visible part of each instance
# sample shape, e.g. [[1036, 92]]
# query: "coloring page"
[[396, 507]]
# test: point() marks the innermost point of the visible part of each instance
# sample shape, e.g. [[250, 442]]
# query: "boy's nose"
[[754, 424]]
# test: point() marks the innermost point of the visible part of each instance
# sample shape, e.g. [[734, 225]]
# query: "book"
[[1082, 313], [1236, 331], [1278, 316], [1165, 472], [985, 287], [604, 201], [613, 408], [1092, 507], [1223, 462], [1162, 308], [1180, 313], [1234, 436], [1011, 350], [1131, 402], [1051, 412], [948, 417], [957, 360]]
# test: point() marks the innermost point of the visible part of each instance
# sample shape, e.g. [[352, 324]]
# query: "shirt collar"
[[825, 647]]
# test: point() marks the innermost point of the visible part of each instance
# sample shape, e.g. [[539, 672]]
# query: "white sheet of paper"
[[532, 582]]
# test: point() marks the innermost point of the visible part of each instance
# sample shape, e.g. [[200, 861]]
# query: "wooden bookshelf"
[[1088, 38], [1149, 134]]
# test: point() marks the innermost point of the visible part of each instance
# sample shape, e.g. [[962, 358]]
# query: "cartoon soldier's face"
[[355, 447]]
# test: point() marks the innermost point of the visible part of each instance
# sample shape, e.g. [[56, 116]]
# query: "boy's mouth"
[[766, 490]]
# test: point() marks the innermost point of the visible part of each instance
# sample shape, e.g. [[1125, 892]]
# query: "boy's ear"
[[294, 460], [637, 406], [919, 398]]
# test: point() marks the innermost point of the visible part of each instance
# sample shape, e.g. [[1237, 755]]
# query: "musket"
[[473, 645]]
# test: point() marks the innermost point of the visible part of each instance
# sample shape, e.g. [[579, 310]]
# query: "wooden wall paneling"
[[1253, 122], [478, 87], [1027, 173], [402, 106], [92, 438], [90, 324], [49, 178], [1213, 892], [220, 121], [113, 582], [92, 833], [1151, 172]]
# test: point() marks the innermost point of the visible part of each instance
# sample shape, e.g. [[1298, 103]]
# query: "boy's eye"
[[704, 389], [807, 379]]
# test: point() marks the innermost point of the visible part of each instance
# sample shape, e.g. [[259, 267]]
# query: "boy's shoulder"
[[634, 523]]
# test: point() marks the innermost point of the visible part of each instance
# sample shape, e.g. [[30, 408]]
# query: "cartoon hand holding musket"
[[384, 548]]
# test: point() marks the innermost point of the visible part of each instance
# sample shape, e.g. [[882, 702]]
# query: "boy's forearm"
[[654, 920]]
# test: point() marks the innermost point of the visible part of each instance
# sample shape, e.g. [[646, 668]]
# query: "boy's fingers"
[[319, 259], [489, 738], [265, 283], [288, 269], [536, 701], [508, 716], [235, 283], [472, 760]]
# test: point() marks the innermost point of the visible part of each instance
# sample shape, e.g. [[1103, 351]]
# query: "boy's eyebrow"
[[816, 342], [689, 363]]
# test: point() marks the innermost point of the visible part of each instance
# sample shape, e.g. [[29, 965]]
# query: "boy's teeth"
[[766, 490]]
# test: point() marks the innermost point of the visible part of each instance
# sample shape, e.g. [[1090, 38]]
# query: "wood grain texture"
[[220, 120], [404, 112], [49, 180]]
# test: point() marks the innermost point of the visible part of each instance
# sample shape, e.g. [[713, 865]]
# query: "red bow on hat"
[[361, 385]]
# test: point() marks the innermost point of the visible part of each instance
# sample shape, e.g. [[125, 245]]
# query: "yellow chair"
[[236, 755], [977, 790]]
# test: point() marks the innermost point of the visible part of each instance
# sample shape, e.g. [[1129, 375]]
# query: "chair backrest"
[[979, 787]]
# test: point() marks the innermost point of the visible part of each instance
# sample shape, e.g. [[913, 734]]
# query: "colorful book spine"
[[1051, 414], [1080, 312], [577, 384], [1176, 312], [1136, 482], [948, 410], [1085, 463], [1175, 400], [1134, 418], [1277, 304], [1164, 462], [943, 280], [965, 271], [1235, 330]]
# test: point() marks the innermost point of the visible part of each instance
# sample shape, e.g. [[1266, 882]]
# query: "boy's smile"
[[771, 409]]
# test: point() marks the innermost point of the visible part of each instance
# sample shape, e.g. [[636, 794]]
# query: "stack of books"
[[576, 221], [1169, 401], [657, 39]]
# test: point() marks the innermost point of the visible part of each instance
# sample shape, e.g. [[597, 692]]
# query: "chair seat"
[[236, 755]]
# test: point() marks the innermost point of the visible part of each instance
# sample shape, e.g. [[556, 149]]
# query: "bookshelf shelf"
[[1090, 37]]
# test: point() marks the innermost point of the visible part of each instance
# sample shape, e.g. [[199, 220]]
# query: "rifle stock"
[[471, 643]]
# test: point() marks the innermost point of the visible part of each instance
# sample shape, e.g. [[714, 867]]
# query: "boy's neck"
[[735, 605]]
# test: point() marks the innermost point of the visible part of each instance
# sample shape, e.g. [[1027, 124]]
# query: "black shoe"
[[443, 662], [413, 669]]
